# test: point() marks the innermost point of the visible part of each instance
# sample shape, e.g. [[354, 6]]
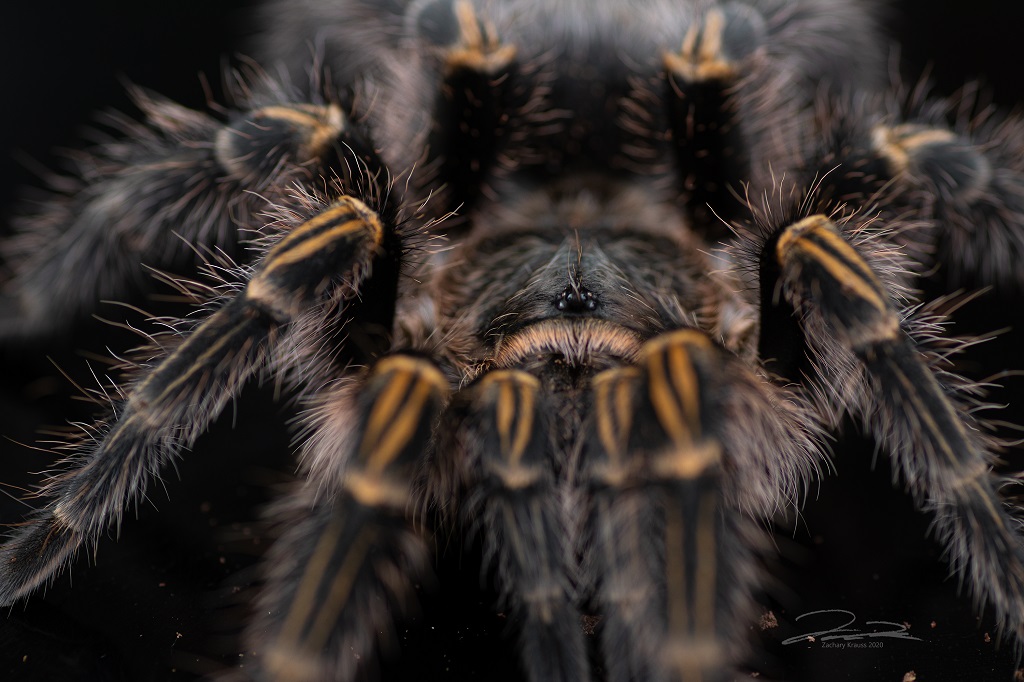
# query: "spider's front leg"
[[687, 449], [325, 261], [179, 183], [348, 556], [857, 348], [501, 463]]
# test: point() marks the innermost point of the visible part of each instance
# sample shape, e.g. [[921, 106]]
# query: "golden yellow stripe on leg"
[[675, 570], [517, 396], [325, 123], [898, 142], [144, 408], [351, 215], [928, 419], [707, 565], [381, 453], [397, 412], [820, 227], [307, 117], [399, 371], [613, 412], [479, 48], [671, 374], [328, 611], [469, 28], [678, 337], [613, 401], [669, 412], [377, 490], [293, 657], [839, 259], [692, 646], [700, 57], [684, 379], [385, 407], [336, 212], [305, 595]]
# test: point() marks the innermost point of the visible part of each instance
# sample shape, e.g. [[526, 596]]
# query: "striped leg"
[[348, 555], [503, 458], [704, 108], [670, 558], [329, 256], [962, 181], [479, 93], [183, 182], [621, 561], [872, 364]]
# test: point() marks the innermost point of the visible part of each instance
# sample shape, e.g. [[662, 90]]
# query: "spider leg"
[[503, 459], [479, 88], [704, 107], [870, 363], [963, 181], [969, 179], [185, 181], [348, 550], [328, 257], [672, 542], [733, 91]]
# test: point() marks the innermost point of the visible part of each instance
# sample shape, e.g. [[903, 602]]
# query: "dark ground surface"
[[163, 602]]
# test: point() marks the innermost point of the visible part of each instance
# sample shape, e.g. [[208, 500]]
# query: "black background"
[[161, 603]]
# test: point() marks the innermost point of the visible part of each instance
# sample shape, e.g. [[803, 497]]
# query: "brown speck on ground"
[[909, 676], [24, 659], [810, 638], [1019, 675], [768, 621], [906, 625], [988, 638], [933, 624], [589, 624], [755, 674]]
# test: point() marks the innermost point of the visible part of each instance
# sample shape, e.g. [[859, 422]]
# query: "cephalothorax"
[[679, 244]]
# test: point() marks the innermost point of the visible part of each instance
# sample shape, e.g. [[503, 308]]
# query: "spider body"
[[617, 368]]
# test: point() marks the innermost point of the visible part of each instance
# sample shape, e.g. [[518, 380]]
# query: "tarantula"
[[589, 283]]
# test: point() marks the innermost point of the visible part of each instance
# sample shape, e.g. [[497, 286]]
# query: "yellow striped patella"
[[898, 144], [674, 388], [514, 397], [816, 239], [396, 415], [700, 57], [346, 216], [479, 48]]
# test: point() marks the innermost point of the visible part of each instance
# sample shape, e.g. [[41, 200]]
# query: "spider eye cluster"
[[576, 299]]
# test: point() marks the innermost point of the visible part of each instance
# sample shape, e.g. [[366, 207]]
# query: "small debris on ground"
[[768, 621], [909, 676], [589, 624]]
